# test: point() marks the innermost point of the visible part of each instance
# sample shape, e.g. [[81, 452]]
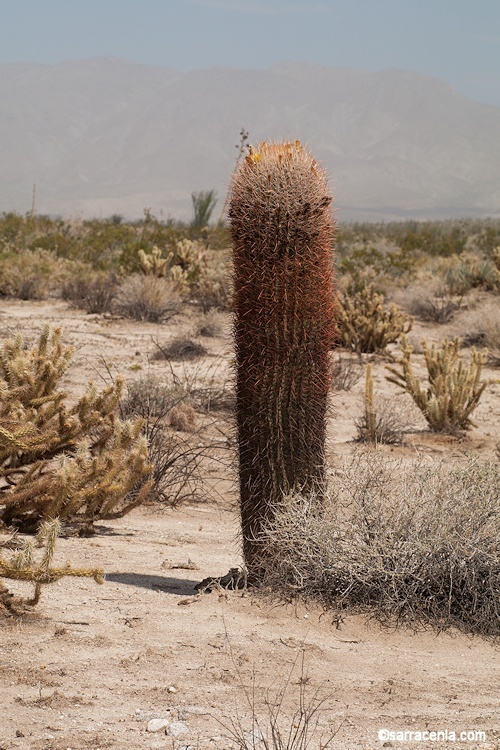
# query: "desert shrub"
[[454, 387], [93, 292], [180, 349], [437, 308], [32, 274], [483, 329], [214, 288], [417, 544], [176, 463], [22, 566], [347, 370], [381, 421], [204, 203], [470, 272], [147, 298], [270, 728], [77, 463], [366, 324], [211, 325], [365, 263]]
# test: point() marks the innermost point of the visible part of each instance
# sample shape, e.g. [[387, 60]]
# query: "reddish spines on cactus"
[[284, 302]]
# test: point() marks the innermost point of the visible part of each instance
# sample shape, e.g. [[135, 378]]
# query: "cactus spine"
[[282, 231]]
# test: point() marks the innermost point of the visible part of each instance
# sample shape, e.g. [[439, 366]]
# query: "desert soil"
[[92, 665]]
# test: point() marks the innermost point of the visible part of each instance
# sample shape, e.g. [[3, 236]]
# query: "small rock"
[[176, 729], [156, 725], [172, 689], [185, 711]]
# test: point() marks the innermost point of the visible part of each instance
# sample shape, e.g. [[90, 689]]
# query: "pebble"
[[185, 711], [176, 728], [156, 725]]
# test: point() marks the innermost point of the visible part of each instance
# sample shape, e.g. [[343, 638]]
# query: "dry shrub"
[[93, 292], [417, 545], [211, 325], [483, 329], [180, 349], [213, 289], [33, 274], [436, 308], [182, 418], [176, 462], [347, 371], [147, 298], [270, 728]]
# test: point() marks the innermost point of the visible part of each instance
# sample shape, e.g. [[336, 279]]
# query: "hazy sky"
[[456, 40]]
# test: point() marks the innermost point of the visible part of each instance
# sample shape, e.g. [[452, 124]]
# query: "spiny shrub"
[[366, 324], [281, 228], [77, 463], [416, 544], [454, 387]]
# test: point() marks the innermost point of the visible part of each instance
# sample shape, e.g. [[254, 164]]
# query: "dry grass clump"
[[94, 292], [181, 349], [347, 370], [147, 298], [417, 545]]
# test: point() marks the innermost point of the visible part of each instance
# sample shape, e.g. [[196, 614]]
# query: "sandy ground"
[[93, 666]]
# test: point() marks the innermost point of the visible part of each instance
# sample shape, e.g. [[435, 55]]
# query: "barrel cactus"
[[284, 328]]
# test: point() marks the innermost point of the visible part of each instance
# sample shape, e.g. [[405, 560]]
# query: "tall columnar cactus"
[[282, 232]]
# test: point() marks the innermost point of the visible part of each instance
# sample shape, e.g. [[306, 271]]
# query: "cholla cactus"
[[152, 264], [75, 463], [22, 566], [367, 325], [454, 387], [284, 301]]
